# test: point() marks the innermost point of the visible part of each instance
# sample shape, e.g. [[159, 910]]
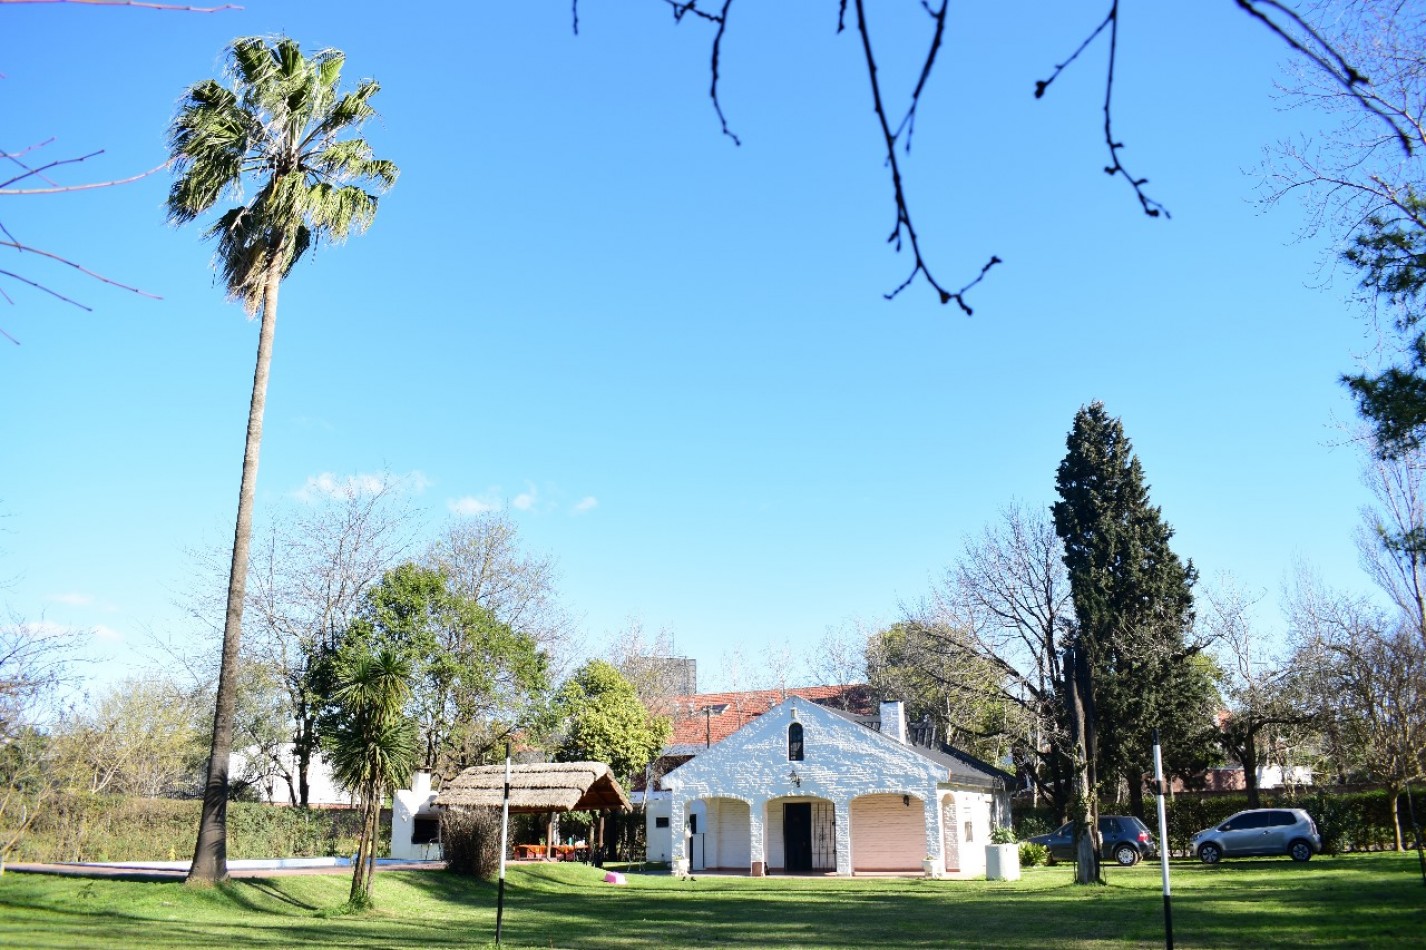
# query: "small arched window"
[[794, 742]]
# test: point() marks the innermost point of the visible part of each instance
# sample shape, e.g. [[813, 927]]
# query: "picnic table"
[[561, 852]]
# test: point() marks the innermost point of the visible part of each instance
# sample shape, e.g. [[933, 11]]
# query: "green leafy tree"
[[279, 130], [1133, 601], [371, 742], [604, 721], [477, 679], [1391, 254]]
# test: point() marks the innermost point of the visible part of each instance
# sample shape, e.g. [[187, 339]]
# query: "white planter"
[[929, 866], [1002, 862]]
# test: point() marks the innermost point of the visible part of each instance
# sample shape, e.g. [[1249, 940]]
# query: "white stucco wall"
[[658, 841], [406, 806], [842, 762]]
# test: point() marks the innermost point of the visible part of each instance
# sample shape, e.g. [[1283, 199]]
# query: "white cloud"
[[102, 632], [72, 599], [526, 499], [587, 503], [470, 505], [328, 485]]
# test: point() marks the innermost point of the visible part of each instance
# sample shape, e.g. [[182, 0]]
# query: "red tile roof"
[[729, 712]]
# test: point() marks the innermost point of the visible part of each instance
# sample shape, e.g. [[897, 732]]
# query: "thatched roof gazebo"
[[537, 788]]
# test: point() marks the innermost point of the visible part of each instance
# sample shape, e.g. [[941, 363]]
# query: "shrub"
[[1003, 835], [76, 827], [1034, 820], [470, 841], [1033, 854]]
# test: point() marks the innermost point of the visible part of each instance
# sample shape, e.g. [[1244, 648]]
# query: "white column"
[[677, 816], [843, 812]]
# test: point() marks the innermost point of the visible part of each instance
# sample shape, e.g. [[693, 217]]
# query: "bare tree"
[[840, 657], [309, 569], [34, 661], [1368, 674], [1391, 543], [1360, 167], [483, 558], [309, 576], [142, 736], [651, 665], [1256, 678], [1006, 601]]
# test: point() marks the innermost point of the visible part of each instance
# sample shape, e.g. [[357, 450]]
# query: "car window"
[[1109, 826], [1283, 818], [1252, 819], [1063, 831]]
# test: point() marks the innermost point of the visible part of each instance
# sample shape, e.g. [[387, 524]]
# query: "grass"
[[1370, 900]]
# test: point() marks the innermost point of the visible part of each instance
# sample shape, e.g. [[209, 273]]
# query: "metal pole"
[[1159, 790], [504, 833]]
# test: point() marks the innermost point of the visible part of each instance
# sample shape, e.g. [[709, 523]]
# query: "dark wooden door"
[[797, 836]]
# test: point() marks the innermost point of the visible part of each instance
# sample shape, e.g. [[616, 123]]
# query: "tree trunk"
[[366, 844], [306, 741], [210, 854], [1394, 797], [1136, 793], [1250, 768], [1084, 805]]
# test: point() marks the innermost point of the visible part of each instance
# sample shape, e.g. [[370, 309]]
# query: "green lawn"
[[1351, 901]]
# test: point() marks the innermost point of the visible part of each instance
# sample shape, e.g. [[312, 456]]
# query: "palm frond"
[[280, 123]]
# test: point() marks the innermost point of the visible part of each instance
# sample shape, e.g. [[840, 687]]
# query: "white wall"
[[406, 806], [659, 840]]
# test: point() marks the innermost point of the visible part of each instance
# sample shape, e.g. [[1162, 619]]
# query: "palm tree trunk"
[[210, 854]]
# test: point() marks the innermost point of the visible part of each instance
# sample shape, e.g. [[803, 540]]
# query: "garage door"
[[887, 835]]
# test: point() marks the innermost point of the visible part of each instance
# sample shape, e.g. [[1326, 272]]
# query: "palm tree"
[[371, 742], [280, 128]]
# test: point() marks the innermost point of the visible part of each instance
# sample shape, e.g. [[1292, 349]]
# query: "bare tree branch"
[[1325, 56]]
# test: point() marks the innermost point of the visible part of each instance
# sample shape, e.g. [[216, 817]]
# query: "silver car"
[[1259, 831]]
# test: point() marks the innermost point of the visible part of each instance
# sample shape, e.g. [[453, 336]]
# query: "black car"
[[1125, 839]]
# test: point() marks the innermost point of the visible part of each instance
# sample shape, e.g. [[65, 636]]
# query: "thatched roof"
[[552, 786]]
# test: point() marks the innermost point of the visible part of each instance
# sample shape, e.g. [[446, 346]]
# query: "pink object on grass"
[[614, 877]]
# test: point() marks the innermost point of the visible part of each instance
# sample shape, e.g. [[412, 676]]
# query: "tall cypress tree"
[[1133, 601]]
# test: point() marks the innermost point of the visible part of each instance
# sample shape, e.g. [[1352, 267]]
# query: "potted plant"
[[1002, 856]]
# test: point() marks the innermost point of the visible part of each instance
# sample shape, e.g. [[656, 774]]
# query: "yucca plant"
[[371, 742], [283, 132]]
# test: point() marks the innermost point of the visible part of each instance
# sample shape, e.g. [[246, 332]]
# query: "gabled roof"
[[704, 719], [539, 787], [925, 744]]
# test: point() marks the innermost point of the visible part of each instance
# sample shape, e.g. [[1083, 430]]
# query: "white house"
[[806, 788]]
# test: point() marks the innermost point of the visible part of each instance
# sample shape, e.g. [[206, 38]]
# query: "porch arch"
[[724, 840]]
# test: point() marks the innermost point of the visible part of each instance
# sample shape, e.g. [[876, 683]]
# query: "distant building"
[[272, 775]]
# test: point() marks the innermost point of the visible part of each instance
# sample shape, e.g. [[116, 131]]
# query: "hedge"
[[116, 828], [1347, 820]]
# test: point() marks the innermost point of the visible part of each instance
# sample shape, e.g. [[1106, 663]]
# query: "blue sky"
[[669, 357]]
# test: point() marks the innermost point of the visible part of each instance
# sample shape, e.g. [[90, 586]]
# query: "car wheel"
[[1300, 850], [1210, 854], [1051, 860], [1127, 855]]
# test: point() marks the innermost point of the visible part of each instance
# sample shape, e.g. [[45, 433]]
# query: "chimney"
[[893, 721], [421, 783]]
